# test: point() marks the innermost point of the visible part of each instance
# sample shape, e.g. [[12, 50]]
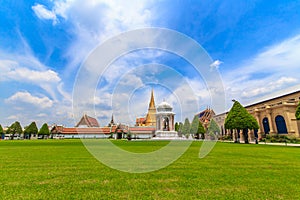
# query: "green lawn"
[[63, 169]]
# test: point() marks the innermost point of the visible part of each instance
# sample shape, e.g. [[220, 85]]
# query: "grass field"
[[63, 169]]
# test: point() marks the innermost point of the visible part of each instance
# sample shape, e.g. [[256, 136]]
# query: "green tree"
[[197, 128], [180, 126], [213, 128], [176, 126], [1, 132], [194, 125], [186, 127], [44, 131], [238, 118], [298, 111], [30, 130], [129, 135], [14, 129]]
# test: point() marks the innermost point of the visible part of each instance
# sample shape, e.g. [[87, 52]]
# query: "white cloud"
[[284, 80], [26, 97], [216, 64], [43, 13], [35, 74], [13, 117], [12, 71], [271, 86]]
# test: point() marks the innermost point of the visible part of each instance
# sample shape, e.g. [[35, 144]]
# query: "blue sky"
[[255, 45]]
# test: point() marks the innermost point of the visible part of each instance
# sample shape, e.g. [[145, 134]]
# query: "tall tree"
[[44, 130], [194, 125], [1, 132], [14, 129], [197, 128], [213, 128], [201, 130], [176, 126], [238, 118], [186, 127], [180, 126], [30, 130], [298, 111]]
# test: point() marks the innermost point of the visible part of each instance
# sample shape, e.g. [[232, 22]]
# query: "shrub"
[[225, 137], [262, 140], [273, 140]]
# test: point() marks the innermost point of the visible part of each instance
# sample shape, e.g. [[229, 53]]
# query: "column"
[[270, 118], [250, 135], [162, 123], [242, 138], [234, 135], [259, 121], [288, 119]]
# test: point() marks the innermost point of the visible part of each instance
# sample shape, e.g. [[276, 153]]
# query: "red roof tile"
[[88, 121], [96, 130]]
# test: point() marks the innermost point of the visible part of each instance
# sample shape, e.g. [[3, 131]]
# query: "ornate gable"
[[87, 121]]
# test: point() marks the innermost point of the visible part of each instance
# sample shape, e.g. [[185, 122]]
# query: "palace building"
[[274, 116]]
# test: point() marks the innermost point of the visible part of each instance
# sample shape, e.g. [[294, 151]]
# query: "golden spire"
[[151, 117], [152, 103]]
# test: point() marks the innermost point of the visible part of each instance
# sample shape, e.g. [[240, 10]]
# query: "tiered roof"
[[88, 121], [206, 115]]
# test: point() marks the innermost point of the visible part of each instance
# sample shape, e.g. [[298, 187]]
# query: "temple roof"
[[206, 115], [88, 121]]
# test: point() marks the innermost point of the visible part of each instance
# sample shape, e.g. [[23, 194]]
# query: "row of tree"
[[196, 128], [16, 129]]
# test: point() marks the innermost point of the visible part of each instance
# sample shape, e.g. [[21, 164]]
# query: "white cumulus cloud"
[[26, 97], [27, 75]]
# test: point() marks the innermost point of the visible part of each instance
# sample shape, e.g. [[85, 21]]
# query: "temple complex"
[[274, 116]]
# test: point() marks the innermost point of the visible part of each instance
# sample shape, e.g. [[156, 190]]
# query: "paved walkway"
[[269, 143], [281, 144]]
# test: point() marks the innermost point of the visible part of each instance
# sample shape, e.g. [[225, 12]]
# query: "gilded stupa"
[[150, 119]]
